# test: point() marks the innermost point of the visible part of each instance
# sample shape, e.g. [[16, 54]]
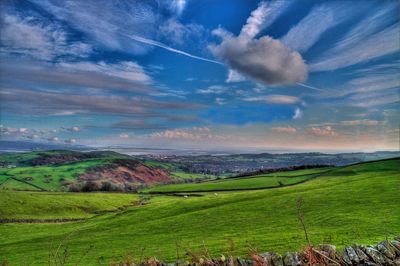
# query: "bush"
[[90, 186]]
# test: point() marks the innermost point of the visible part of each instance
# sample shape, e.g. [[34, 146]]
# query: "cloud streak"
[[274, 99], [50, 103], [166, 47], [360, 43]]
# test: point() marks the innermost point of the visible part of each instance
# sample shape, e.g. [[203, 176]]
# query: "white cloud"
[[106, 23], [189, 134], [179, 34], [220, 101], [28, 37], [234, 76], [124, 136], [214, 89], [265, 59], [363, 122], [287, 129], [70, 141], [274, 99], [54, 139], [262, 17], [326, 131], [374, 36], [322, 17], [127, 70], [168, 48], [373, 99], [298, 114]]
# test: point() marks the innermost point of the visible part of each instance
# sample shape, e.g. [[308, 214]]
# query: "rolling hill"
[[345, 205], [77, 171]]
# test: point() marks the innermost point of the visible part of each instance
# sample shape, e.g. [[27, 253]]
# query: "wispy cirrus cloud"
[[38, 102], [106, 23], [214, 89], [274, 99], [128, 76], [360, 43], [136, 124], [321, 18], [171, 49], [28, 37]]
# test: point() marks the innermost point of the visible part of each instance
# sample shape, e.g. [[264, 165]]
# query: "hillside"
[[351, 204], [77, 171]]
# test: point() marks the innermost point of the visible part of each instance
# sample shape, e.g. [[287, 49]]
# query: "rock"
[[277, 260], [244, 262], [386, 250], [272, 259], [374, 255], [361, 255], [267, 258], [396, 244], [328, 250], [292, 259], [346, 258], [351, 254]]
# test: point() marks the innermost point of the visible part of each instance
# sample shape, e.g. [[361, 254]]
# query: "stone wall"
[[385, 253]]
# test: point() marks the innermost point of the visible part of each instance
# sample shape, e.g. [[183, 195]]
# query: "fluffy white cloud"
[[264, 59], [298, 114], [326, 131]]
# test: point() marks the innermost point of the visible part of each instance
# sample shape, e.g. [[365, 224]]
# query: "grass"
[[339, 209], [45, 205], [242, 183], [49, 177]]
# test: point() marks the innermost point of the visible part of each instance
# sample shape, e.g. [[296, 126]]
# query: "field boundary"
[[179, 193]]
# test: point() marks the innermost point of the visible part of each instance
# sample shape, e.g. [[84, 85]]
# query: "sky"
[[202, 74]]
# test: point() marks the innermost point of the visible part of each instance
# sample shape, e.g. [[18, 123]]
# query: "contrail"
[[308, 86], [161, 45]]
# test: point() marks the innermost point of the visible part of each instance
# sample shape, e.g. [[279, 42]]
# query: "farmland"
[[345, 205]]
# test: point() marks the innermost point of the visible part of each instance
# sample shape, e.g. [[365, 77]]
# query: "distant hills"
[[25, 146]]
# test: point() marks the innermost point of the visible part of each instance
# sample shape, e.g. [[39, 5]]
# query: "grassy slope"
[[353, 204], [36, 174], [251, 182], [45, 205], [55, 173]]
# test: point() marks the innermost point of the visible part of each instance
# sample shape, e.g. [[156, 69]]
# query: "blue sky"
[[267, 75]]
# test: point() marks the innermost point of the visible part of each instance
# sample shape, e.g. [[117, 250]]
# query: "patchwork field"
[[357, 203], [263, 181]]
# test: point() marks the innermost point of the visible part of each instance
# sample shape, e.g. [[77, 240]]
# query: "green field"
[[47, 177], [32, 205], [243, 183], [354, 204]]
